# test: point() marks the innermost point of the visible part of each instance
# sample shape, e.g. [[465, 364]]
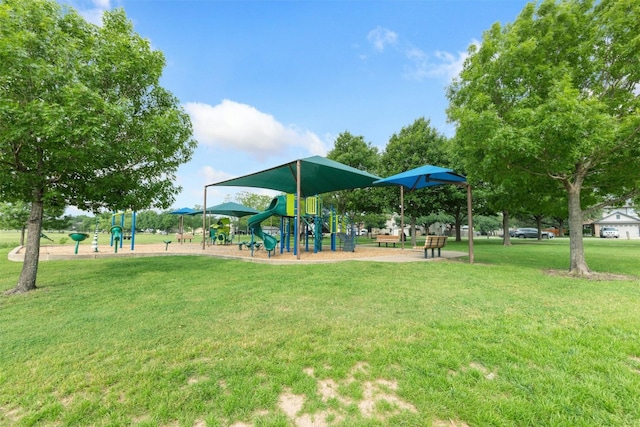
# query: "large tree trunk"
[[506, 239], [578, 265], [538, 219], [27, 279]]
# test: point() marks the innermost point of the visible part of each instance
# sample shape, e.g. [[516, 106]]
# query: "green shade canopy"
[[318, 175], [231, 209]]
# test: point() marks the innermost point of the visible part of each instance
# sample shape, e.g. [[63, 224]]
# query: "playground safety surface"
[[232, 251]]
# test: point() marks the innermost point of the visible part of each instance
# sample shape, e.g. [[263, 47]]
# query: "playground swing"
[[118, 232]]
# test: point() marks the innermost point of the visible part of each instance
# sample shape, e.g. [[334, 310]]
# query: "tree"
[[417, 145], [83, 119], [374, 220], [16, 216], [433, 218], [259, 202], [554, 95], [354, 151], [487, 224]]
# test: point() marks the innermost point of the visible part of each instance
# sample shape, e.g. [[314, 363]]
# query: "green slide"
[[278, 207]]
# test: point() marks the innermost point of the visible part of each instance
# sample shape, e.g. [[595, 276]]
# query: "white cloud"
[[381, 37], [91, 10], [217, 195], [241, 127], [420, 65], [211, 175], [443, 65], [102, 4]]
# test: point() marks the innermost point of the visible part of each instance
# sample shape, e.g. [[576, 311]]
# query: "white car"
[[609, 232]]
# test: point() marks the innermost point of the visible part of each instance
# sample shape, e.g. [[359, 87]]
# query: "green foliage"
[[354, 151], [417, 145], [83, 118], [374, 220], [545, 105], [259, 202], [14, 215], [427, 220], [486, 224], [63, 98]]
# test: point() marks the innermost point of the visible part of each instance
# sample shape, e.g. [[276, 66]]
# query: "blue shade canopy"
[[184, 211], [423, 176]]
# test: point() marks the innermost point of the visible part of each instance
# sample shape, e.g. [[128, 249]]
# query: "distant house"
[[624, 219]]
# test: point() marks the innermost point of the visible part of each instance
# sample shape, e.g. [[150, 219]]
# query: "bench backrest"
[[387, 237], [435, 241]]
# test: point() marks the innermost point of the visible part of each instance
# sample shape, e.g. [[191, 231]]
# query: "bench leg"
[[438, 252], [426, 253]]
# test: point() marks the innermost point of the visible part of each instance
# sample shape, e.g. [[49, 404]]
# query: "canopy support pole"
[[297, 227], [402, 217], [204, 220]]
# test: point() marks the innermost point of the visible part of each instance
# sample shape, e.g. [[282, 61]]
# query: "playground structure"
[[313, 222], [78, 237], [117, 231], [220, 232]]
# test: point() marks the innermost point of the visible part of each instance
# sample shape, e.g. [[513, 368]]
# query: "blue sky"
[[268, 82]]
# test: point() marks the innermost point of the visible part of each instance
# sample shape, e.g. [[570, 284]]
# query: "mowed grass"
[[194, 341]]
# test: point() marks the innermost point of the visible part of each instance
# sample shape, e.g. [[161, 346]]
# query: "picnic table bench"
[[433, 243], [184, 237], [386, 239]]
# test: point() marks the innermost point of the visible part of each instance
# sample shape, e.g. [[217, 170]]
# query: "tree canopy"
[[354, 151], [554, 96], [417, 145], [83, 119]]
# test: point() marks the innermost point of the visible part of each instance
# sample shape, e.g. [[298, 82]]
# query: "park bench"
[[433, 243], [184, 237], [386, 239]]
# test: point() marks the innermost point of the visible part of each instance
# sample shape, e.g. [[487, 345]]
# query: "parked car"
[[609, 232], [531, 233]]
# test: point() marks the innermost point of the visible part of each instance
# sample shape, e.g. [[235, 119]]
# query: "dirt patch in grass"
[[596, 276]]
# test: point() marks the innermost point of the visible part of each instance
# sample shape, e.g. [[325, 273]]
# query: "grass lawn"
[[12, 238], [196, 341]]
